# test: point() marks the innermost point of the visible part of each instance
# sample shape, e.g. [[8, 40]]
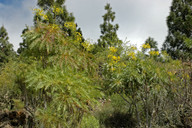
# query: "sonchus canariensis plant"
[[64, 74]]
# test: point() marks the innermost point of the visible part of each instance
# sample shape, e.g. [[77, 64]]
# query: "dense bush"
[[61, 81]]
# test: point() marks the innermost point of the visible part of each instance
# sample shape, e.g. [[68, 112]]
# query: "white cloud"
[[15, 19], [138, 19]]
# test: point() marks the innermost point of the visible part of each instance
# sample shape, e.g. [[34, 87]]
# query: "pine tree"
[[179, 24], [153, 44], [108, 30], [23, 45], [6, 49]]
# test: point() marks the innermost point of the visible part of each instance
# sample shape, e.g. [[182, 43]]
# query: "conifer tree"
[[179, 24], [108, 30], [23, 45], [152, 43], [6, 49]]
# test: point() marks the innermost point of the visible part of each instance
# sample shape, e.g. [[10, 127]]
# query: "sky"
[[137, 19]]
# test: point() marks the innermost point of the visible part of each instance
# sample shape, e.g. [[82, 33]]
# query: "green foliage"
[[59, 79], [6, 49], [89, 121], [53, 12], [148, 87], [114, 112], [66, 80], [179, 24], [12, 83]]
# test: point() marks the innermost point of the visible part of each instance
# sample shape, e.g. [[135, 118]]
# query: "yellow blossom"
[[132, 55], [114, 58], [146, 46], [57, 10], [154, 53], [133, 47], [70, 25], [134, 58], [118, 58], [45, 17], [113, 49], [54, 27], [87, 46], [39, 12], [109, 56], [78, 36]]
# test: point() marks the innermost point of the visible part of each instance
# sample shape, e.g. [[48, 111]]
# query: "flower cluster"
[[57, 10], [132, 55], [78, 37], [41, 13], [87, 46], [70, 25], [133, 48], [38, 11], [53, 27], [113, 49], [154, 53], [45, 17], [114, 59], [146, 46]]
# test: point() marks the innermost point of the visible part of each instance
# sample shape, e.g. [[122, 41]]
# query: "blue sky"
[[15, 15], [138, 19], [10, 2]]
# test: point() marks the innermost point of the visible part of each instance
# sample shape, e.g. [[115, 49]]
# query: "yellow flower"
[[113, 49], [157, 52], [170, 73], [109, 56], [134, 58], [79, 36], [146, 46], [45, 17], [70, 25], [154, 53], [87, 46], [114, 58], [54, 27], [57, 10], [39, 12], [132, 55], [133, 47], [118, 58]]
